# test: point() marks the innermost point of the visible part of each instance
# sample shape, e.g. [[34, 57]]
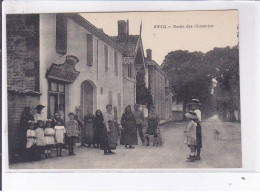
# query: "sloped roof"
[[127, 42], [155, 65], [94, 30], [128, 39]]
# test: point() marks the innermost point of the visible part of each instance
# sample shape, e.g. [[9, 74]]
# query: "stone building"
[[159, 87], [134, 65], [55, 59]]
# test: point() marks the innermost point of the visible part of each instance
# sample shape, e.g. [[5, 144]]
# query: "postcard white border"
[[175, 178]]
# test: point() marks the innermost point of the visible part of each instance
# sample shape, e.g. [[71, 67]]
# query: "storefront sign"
[[65, 72]]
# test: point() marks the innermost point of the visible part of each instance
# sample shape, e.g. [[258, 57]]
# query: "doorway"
[[87, 97]]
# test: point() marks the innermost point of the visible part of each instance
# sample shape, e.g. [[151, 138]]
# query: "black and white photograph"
[[124, 90]]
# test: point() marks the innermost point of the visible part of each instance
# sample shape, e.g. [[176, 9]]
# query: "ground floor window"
[[56, 97]]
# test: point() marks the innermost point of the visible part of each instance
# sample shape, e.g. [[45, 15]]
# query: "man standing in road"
[[139, 117]]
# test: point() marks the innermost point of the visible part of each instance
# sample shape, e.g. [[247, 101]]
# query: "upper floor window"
[[106, 57], [61, 34], [116, 63], [129, 70], [89, 55]]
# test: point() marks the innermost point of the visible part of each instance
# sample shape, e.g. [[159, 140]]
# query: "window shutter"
[[116, 63], [89, 49], [61, 34], [106, 58]]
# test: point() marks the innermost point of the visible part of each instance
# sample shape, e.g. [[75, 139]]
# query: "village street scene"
[[116, 91]]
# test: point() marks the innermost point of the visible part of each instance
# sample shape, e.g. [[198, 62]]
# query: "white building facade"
[[87, 64]]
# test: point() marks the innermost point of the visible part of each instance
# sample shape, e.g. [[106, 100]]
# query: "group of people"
[[192, 132], [38, 135]]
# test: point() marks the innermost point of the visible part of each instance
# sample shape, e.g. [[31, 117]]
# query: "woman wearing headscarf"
[[111, 129], [128, 122], [88, 123], [22, 133], [98, 126]]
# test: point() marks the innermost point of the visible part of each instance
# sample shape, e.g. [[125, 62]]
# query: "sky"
[[174, 32]]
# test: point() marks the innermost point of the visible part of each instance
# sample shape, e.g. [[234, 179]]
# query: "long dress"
[[112, 133], [88, 122], [198, 129], [99, 123], [129, 134], [22, 133], [190, 136], [40, 140], [98, 127], [49, 136], [152, 123]]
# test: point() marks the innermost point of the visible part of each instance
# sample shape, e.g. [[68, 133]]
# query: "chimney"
[[122, 29], [101, 29], [149, 54], [127, 27]]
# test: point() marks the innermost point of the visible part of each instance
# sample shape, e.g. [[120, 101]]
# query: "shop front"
[[60, 76]]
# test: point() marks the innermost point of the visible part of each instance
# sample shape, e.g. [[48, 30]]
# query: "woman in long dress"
[[104, 143], [98, 127], [128, 122], [88, 123], [111, 129], [22, 133]]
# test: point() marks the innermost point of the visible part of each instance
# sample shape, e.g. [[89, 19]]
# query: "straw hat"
[[195, 101]]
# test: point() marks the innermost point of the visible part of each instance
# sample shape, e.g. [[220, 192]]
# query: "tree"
[[189, 77], [143, 94], [225, 62]]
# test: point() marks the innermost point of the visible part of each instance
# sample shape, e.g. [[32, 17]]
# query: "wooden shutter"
[[61, 34], [89, 49], [106, 57]]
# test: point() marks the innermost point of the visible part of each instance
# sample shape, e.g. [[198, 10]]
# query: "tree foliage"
[[192, 73], [143, 94]]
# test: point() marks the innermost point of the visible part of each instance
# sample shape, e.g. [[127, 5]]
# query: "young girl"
[[40, 140], [31, 141], [59, 136], [72, 132], [190, 135], [49, 138]]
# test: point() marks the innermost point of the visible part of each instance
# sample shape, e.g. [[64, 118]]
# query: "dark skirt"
[[89, 132], [152, 126], [112, 135], [104, 144], [198, 136], [129, 137], [97, 135]]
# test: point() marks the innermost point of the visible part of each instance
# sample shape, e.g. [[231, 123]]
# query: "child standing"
[[40, 140], [49, 138], [31, 141], [72, 132], [190, 135], [59, 136]]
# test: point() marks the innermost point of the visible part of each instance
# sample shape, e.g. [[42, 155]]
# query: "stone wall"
[[22, 69], [23, 52]]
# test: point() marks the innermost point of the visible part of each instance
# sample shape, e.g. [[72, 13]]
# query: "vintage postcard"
[[124, 90]]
